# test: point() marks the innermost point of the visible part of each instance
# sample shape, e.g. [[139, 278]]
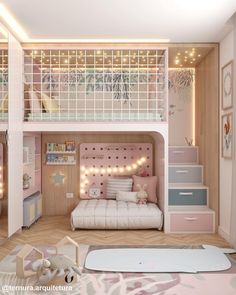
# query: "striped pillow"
[[118, 184]]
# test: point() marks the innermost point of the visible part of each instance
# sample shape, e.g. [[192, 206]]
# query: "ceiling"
[[175, 20]]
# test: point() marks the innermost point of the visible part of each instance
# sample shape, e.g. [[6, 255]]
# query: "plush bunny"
[[55, 266], [142, 194]]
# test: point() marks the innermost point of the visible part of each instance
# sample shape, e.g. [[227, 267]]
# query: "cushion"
[[49, 104], [4, 104], [126, 196], [118, 184], [151, 182], [34, 102]]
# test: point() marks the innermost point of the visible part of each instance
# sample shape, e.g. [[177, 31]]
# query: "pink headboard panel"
[[99, 161]]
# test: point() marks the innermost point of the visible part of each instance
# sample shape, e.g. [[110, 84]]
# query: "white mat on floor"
[[158, 260]]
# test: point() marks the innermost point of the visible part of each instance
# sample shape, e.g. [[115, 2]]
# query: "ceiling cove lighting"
[[100, 40], [4, 32], [13, 25]]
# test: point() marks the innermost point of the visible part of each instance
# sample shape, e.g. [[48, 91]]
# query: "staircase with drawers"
[[188, 197]]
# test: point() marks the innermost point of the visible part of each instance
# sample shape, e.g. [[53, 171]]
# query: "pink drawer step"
[[192, 222], [183, 155]]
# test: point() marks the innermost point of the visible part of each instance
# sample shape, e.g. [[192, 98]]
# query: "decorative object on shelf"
[[58, 178], [189, 141], [26, 181], [227, 85], [227, 135], [70, 146]]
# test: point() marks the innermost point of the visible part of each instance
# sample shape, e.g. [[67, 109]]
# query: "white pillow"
[[126, 196], [34, 102], [118, 184], [49, 104]]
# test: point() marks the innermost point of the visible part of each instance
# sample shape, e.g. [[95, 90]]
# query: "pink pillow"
[[151, 189]]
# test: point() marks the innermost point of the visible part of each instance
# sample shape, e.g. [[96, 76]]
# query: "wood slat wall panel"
[[207, 122]]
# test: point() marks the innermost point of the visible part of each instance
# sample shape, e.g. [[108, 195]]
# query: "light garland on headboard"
[[93, 170]]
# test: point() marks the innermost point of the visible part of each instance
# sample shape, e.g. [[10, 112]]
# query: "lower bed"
[[112, 214]]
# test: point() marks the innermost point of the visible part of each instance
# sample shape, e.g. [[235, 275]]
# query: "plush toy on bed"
[[142, 194]]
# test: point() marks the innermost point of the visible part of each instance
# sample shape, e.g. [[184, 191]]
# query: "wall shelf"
[[57, 164], [58, 152]]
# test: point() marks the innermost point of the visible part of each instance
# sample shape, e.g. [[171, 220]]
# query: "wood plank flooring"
[[49, 230]]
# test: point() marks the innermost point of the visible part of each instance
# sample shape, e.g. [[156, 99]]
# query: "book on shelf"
[[68, 146], [52, 158]]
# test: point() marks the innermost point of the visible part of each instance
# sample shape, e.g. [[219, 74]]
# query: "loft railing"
[[95, 85]]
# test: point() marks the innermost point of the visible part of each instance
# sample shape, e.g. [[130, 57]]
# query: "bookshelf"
[[61, 153]]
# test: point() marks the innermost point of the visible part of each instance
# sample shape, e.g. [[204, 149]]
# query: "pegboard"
[[99, 161]]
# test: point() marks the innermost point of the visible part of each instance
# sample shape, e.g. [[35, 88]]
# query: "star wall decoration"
[[58, 178]]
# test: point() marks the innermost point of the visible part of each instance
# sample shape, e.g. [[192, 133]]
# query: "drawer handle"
[[178, 152], [181, 171], [185, 193], [190, 218]]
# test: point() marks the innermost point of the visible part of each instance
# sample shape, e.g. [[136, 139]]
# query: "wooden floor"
[[49, 230]]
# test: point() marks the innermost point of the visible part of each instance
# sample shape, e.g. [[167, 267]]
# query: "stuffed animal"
[[142, 194], [55, 266]]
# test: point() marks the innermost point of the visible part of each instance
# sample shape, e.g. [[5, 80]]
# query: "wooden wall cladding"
[[54, 195], [207, 123]]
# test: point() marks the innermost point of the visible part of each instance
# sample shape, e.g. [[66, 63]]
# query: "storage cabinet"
[[188, 210], [32, 209]]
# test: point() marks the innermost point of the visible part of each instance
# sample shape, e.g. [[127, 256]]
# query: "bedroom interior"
[[116, 143]]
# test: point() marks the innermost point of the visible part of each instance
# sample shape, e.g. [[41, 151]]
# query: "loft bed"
[[95, 85]]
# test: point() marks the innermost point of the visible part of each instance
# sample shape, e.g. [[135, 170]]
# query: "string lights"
[[86, 171], [186, 57]]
